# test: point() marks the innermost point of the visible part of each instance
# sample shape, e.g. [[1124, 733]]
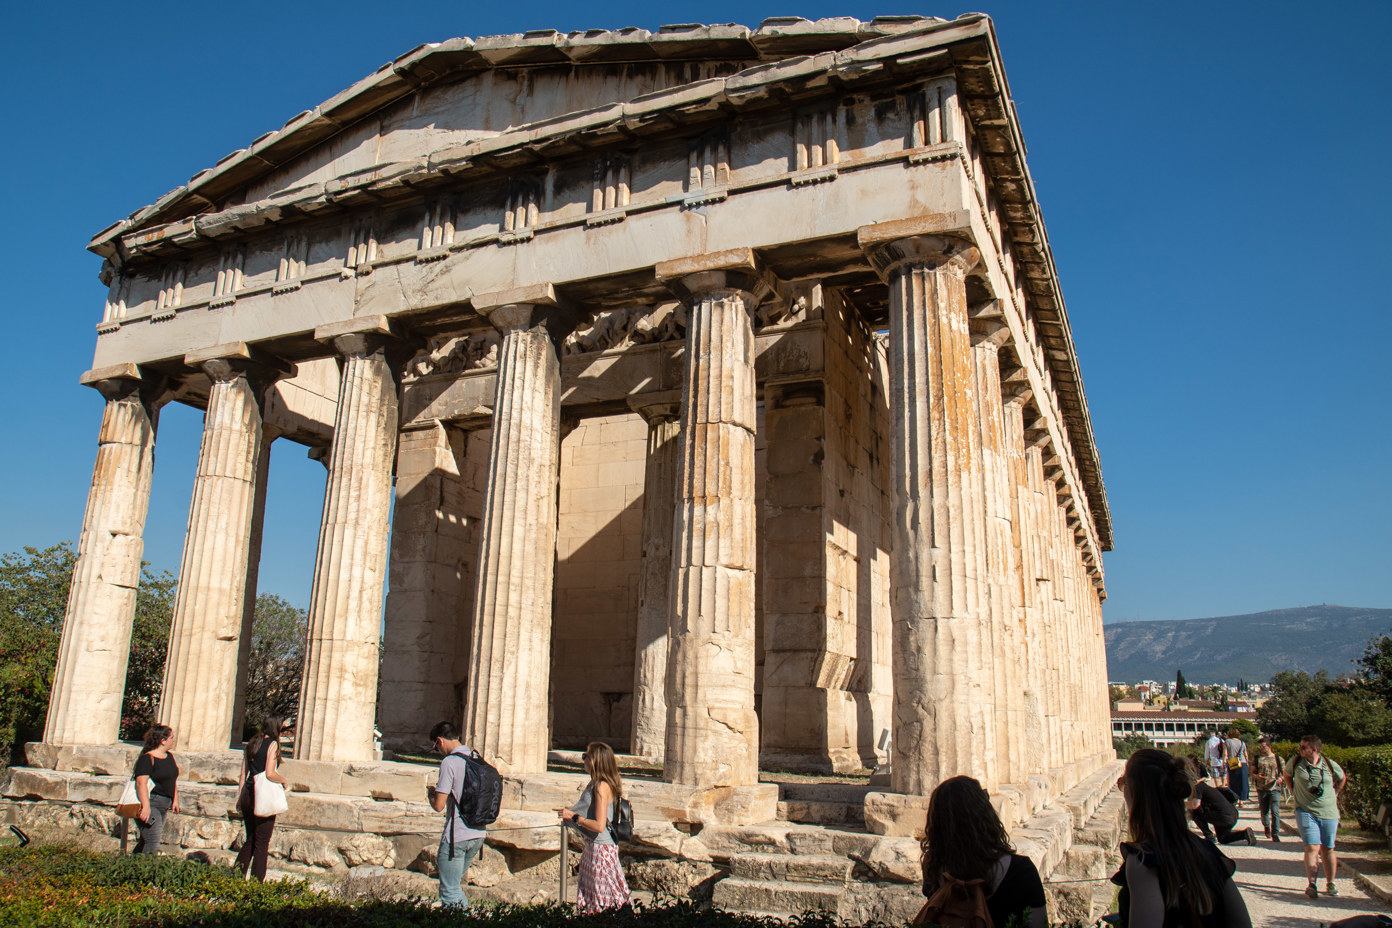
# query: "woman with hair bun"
[[964, 840], [1171, 878]]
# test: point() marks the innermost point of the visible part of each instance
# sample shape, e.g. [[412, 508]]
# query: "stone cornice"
[[776, 40]]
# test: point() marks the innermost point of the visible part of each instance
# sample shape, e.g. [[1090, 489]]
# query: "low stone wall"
[[379, 833]]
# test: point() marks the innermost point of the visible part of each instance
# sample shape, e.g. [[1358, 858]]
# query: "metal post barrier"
[[565, 863]]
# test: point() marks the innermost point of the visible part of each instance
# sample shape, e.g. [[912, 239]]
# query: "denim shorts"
[[1316, 830]]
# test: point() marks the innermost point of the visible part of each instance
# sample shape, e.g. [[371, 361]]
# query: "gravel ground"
[[1272, 880]]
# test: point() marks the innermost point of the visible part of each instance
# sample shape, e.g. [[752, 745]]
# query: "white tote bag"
[[269, 797], [129, 804]]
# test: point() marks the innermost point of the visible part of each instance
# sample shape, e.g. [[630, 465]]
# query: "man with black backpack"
[[456, 793]]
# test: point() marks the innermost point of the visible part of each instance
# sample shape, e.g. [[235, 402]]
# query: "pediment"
[[459, 92]]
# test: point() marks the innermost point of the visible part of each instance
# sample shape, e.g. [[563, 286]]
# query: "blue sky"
[[1213, 176]]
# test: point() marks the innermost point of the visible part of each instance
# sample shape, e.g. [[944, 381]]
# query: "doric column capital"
[[933, 252], [988, 333], [657, 407], [359, 336], [120, 381], [737, 270], [1016, 395], [228, 361], [524, 308]]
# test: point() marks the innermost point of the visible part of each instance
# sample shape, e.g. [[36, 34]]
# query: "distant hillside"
[[1250, 647]]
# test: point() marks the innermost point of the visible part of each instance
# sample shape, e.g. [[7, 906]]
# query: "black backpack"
[[621, 828], [480, 797]]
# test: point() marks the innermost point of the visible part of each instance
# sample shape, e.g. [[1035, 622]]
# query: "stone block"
[[403, 782], [398, 818], [195, 832], [415, 852], [896, 860], [895, 814], [741, 895], [526, 831], [331, 813], [312, 776], [791, 868], [671, 879]]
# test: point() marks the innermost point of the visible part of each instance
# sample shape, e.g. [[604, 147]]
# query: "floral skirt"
[[602, 884]]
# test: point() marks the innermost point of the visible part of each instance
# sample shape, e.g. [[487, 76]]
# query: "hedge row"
[[1370, 778], [45, 887]]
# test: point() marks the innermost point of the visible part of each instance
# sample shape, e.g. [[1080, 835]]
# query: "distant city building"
[[1165, 728]]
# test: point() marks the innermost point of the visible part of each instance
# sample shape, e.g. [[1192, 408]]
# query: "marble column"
[[712, 730], [258, 522], [940, 726], [507, 709], [1006, 655], [650, 658], [200, 675], [90, 677], [1026, 597], [338, 696]]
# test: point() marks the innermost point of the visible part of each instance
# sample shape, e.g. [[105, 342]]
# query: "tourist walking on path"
[[1209, 806], [1267, 779], [1235, 749], [601, 884], [1214, 758], [964, 841], [1169, 875], [1316, 782], [459, 844], [157, 785], [262, 755]]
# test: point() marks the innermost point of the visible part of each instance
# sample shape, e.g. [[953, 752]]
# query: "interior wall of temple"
[[599, 548]]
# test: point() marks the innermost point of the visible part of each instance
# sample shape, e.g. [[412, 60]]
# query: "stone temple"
[[707, 391]]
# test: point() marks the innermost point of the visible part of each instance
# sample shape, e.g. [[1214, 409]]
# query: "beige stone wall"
[[598, 564], [824, 575]]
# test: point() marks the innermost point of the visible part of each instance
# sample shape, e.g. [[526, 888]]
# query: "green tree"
[[33, 597], [154, 614], [1181, 688], [1375, 668], [1350, 718], [1286, 715], [276, 663], [1129, 745]]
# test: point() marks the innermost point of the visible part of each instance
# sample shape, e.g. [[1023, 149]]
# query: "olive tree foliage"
[[33, 600], [276, 663], [1347, 711], [34, 586]]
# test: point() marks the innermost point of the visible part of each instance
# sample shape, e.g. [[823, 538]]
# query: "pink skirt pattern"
[[601, 885]]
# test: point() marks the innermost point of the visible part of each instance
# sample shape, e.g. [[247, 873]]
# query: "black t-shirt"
[[256, 761], [1213, 805], [1019, 892], [1218, 869], [162, 771]]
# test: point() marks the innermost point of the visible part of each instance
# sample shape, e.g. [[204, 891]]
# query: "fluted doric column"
[[89, 679], [339, 693], [650, 657], [712, 730], [1007, 654], [506, 714], [1032, 662], [941, 727], [200, 672]]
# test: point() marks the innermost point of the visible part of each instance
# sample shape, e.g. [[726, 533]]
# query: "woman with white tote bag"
[[262, 795]]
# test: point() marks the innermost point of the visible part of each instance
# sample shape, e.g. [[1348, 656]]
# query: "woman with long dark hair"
[[1171, 878], [157, 785], [601, 884], [964, 840], [262, 756]]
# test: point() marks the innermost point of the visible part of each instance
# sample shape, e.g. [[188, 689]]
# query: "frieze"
[[620, 328], [454, 354]]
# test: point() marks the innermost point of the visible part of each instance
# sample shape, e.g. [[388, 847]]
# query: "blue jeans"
[[452, 871]]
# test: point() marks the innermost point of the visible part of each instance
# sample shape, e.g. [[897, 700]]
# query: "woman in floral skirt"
[[601, 884]]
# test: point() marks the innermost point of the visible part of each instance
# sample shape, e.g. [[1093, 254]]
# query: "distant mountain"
[[1251, 647]]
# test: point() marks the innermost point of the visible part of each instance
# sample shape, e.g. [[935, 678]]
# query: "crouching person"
[[459, 844]]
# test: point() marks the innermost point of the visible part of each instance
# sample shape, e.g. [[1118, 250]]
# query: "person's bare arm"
[[602, 795], [142, 789], [273, 765]]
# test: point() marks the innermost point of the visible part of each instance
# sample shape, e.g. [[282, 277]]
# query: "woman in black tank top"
[[262, 756]]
